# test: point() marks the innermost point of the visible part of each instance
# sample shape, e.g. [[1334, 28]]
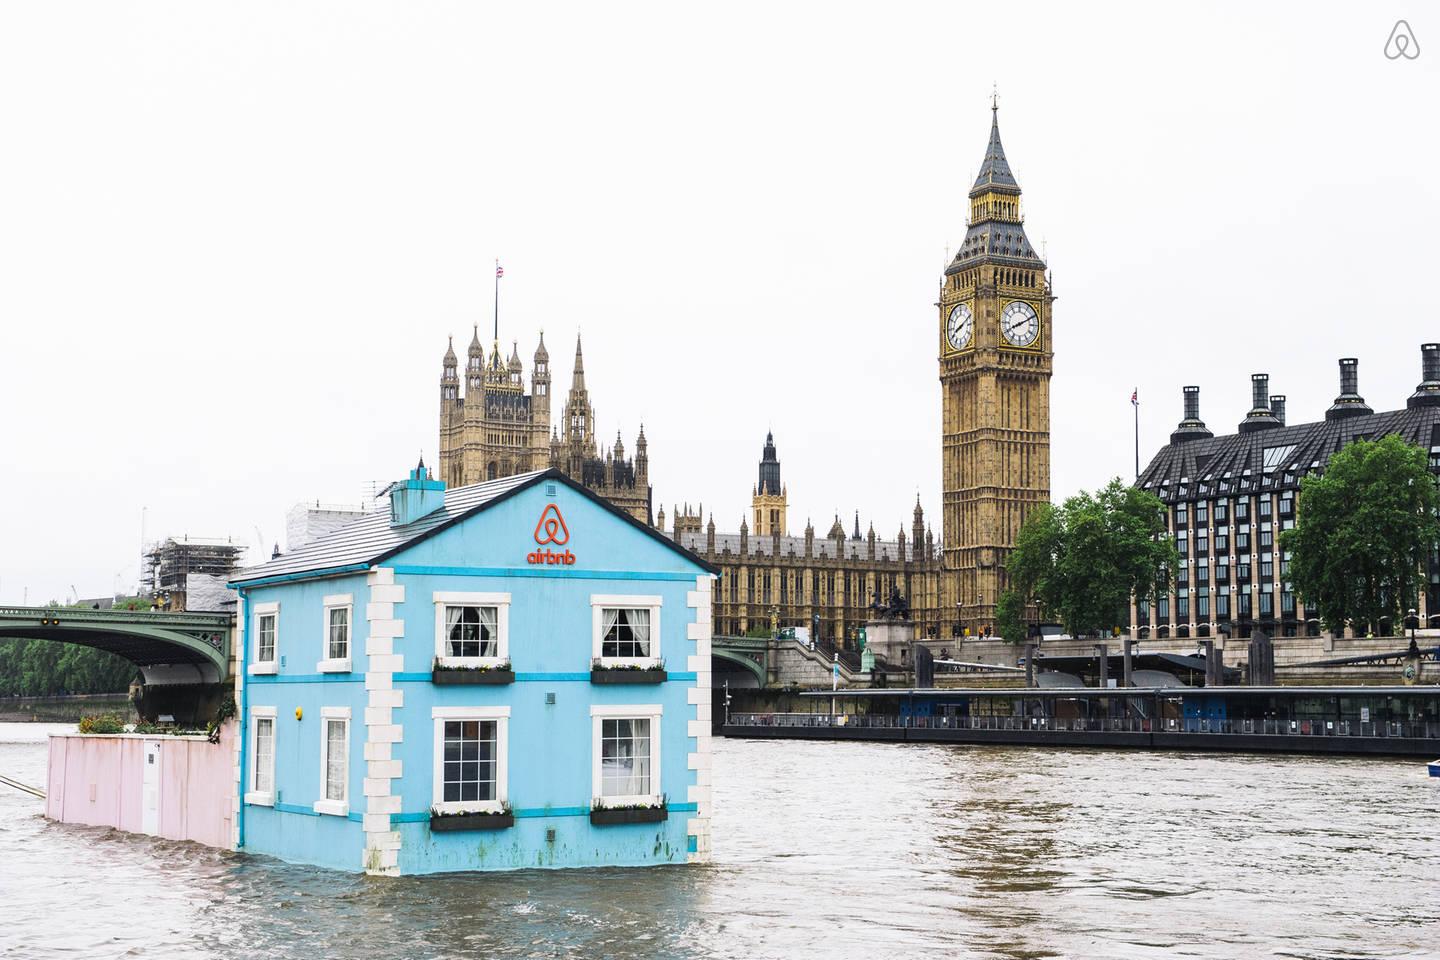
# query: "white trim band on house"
[[620, 604], [701, 632], [480, 620], [262, 760], [382, 844]]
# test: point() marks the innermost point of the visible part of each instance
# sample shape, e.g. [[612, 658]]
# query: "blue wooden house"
[[510, 674]]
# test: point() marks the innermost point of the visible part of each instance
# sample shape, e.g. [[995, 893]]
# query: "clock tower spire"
[[995, 366]]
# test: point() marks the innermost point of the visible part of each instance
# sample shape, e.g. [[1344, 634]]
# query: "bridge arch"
[[748, 664], [167, 647]]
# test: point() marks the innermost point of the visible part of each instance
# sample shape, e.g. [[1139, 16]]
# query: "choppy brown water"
[[822, 850]]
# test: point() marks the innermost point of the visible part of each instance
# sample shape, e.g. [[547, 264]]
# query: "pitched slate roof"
[[1238, 459], [995, 241], [995, 169], [371, 539]]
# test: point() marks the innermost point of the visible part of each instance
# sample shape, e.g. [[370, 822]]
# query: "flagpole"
[[497, 299], [1136, 405]]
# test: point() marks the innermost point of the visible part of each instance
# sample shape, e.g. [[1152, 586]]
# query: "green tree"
[[1363, 530], [1083, 560], [1010, 616], [47, 668], [133, 603]]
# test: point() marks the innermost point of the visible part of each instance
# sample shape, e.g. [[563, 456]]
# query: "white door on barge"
[[150, 791]]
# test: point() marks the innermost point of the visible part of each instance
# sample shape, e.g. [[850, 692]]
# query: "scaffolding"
[[167, 566]]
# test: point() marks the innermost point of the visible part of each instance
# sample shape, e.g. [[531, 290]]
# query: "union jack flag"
[[1135, 397], [499, 270]]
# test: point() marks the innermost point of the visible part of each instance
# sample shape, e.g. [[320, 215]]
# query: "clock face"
[[960, 326], [1019, 324]]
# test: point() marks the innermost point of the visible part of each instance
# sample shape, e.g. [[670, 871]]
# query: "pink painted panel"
[[130, 769], [55, 779], [99, 780], [197, 792], [174, 773]]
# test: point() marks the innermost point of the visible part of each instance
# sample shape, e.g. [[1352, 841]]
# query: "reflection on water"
[[821, 849]]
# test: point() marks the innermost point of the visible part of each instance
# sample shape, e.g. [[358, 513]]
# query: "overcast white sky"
[[234, 237]]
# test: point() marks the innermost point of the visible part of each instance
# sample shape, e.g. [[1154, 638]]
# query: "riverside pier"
[[1395, 720]]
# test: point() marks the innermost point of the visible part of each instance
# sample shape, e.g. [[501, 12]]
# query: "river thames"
[[834, 850]]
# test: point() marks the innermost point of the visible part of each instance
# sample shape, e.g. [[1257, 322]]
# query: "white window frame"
[[324, 805], [501, 601], [644, 711], [598, 603], [339, 601], [257, 666], [501, 717], [264, 798]]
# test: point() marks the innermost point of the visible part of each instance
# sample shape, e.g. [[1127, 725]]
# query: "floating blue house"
[[510, 674]]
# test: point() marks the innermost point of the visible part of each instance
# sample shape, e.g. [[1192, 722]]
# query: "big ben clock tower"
[[995, 365]]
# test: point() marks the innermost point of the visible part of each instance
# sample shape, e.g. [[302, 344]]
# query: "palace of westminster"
[[1226, 497], [994, 346]]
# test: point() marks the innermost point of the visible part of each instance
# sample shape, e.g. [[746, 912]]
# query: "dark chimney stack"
[[1192, 427], [1427, 394], [1277, 407], [1349, 403], [1259, 417], [1349, 375], [1260, 391]]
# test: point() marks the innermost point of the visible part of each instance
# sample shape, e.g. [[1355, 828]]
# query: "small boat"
[[1434, 768]]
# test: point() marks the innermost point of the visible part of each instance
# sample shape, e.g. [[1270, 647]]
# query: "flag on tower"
[[499, 270], [1135, 397]]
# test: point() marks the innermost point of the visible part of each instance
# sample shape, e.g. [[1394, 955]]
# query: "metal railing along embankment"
[[1370, 730]]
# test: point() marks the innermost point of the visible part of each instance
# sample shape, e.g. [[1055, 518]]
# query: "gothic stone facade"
[[996, 358], [995, 365], [497, 429], [995, 362], [1228, 498], [826, 584]]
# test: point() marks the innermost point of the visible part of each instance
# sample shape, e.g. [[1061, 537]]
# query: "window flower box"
[[601, 672], [613, 816], [501, 673], [453, 822]]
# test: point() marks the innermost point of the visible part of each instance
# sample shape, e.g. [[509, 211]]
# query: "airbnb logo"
[[564, 557], [551, 529]]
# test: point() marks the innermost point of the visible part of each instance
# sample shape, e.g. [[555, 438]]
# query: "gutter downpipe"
[[244, 722]]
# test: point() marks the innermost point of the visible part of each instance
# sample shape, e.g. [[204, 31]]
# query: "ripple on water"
[[833, 850]]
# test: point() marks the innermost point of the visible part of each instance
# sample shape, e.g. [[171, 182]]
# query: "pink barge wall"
[[98, 779]]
